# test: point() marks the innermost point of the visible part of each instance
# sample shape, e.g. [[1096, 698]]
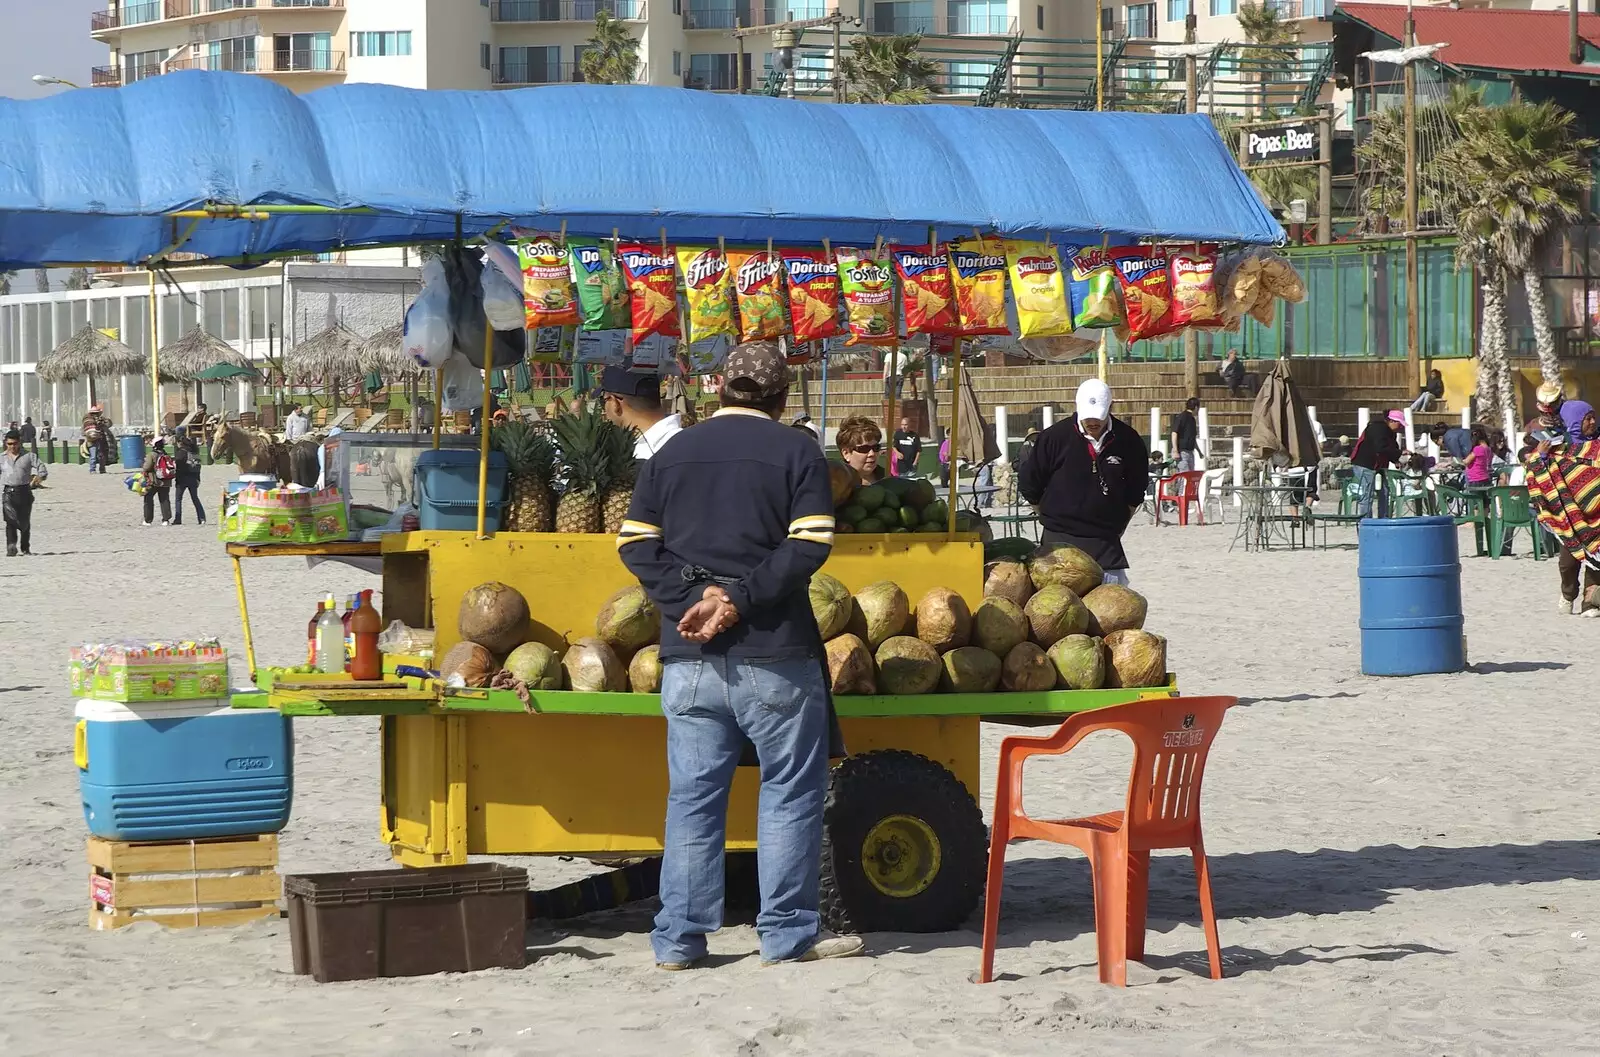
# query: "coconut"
[[885, 608], [842, 481], [1027, 667], [970, 670], [628, 621], [1069, 567], [495, 616], [1080, 661], [536, 665], [592, 666], [943, 619], [1055, 612], [850, 668], [470, 660], [998, 625], [1113, 607], [831, 604], [644, 671], [1008, 580], [907, 666], [1138, 658]]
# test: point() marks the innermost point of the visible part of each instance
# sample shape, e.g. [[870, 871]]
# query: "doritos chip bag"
[[1039, 289], [546, 284], [868, 289], [1146, 290], [925, 290], [813, 294], [707, 288], [757, 283], [602, 291], [653, 287], [1194, 289], [978, 270], [1092, 284]]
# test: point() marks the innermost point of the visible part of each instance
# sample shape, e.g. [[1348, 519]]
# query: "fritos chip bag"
[[1039, 289], [547, 296], [1194, 288], [653, 286], [1092, 283], [813, 294], [602, 291], [978, 271], [758, 285], [925, 290], [706, 286], [1142, 272], [868, 289]]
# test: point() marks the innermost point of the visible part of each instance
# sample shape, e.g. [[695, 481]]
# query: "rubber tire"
[[865, 789]]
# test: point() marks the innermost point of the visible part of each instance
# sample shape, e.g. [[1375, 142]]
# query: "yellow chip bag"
[[978, 270], [708, 289], [1039, 289]]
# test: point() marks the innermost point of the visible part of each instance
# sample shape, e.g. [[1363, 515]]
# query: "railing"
[[308, 61], [697, 16], [231, 62], [100, 21], [547, 73], [1292, 9], [142, 72], [125, 15], [190, 8], [713, 81], [960, 25], [105, 77], [564, 10]]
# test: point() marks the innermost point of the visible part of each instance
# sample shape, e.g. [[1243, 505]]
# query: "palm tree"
[[611, 56], [1269, 35], [889, 70], [5, 283], [77, 279], [1383, 155], [41, 280]]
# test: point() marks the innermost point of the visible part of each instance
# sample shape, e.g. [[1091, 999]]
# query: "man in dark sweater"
[[1087, 475], [729, 521], [1376, 449], [1186, 435]]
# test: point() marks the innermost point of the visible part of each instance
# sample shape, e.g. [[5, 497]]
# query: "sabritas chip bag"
[[868, 297], [547, 294], [706, 287], [1039, 289], [813, 294], [653, 289], [1146, 290], [1092, 284], [925, 290], [602, 291], [1194, 289], [978, 270], [757, 284]]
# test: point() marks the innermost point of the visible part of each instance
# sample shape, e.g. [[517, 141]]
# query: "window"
[[1144, 73], [717, 72], [1177, 10], [231, 53], [304, 51], [985, 17], [812, 70], [132, 14], [677, 64], [530, 66], [1107, 19], [138, 65], [1039, 16], [969, 78], [902, 16], [1224, 7], [484, 57], [577, 61], [385, 42], [1141, 21]]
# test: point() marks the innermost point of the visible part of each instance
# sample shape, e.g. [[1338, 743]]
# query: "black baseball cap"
[[622, 382]]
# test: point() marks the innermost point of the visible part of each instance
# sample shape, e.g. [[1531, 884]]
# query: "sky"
[[49, 37]]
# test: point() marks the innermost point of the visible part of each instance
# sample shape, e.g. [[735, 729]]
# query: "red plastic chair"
[[1187, 492], [1171, 738]]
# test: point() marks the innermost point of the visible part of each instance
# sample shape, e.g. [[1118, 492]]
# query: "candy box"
[[155, 672]]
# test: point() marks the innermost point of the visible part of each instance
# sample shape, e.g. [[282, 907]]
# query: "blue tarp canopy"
[[91, 176]]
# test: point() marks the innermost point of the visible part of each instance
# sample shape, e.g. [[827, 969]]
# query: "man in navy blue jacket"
[[729, 521]]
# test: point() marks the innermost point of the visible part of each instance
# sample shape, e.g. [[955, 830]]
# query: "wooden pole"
[[155, 365], [1325, 176], [738, 68], [838, 79], [483, 432], [955, 435], [1191, 102], [1413, 295], [438, 408]]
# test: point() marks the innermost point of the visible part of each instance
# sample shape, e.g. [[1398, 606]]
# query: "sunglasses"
[[864, 449]]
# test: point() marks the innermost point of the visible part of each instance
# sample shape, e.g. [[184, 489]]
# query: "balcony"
[[124, 15], [522, 73], [308, 62], [230, 62], [1294, 9], [712, 81], [191, 8], [564, 10], [105, 77], [961, 24]]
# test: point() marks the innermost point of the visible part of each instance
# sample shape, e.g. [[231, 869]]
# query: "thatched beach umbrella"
[[384, 353], [89, 354], [332, 353], [195, 352]]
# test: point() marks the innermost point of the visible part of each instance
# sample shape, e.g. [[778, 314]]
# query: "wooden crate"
[[171, 881]]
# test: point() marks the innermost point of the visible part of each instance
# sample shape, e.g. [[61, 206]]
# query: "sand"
[[1400, 866]]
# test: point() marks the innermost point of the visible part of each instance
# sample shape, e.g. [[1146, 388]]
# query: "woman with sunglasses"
[[860, 443]]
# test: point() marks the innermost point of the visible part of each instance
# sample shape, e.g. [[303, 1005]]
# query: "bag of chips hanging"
[[1092, 285], [706, 287], [925, 290], [1142, 274], [546, 283], [813, 294], [1194, 289], [1039, 289], [757, 284], [602, 291], [978, 271], [652, 278], [868, 289]]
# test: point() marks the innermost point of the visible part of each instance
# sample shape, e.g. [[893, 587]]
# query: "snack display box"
[[132, 673], [378, 469]]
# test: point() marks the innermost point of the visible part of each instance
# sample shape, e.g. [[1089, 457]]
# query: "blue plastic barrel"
[[1410, 572], [131, 446]]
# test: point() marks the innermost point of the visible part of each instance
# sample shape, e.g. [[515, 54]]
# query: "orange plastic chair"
[[1187, 493], [1171, 738]]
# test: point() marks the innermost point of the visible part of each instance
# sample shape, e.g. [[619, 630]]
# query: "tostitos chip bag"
[[1142, 272], [1194, 288], [1039, 290], [813, 294], [758, 285], [978, 271], [547, 296], [1092, 284], [707, 288], [868, 297], [925, 290], [653, 287], [602, 291]]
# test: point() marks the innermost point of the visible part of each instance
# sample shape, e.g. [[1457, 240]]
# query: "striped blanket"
[[1564, 490]]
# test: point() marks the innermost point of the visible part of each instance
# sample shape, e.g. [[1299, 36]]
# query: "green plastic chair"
[[1403, 492], [1475, 507], [1509, 510]]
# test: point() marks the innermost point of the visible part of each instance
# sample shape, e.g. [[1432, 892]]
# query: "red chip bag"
[[925, 291], [652, 276], [813, 294], [1195, 302], [1142, 273]]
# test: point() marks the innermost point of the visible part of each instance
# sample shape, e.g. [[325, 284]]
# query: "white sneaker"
[[166, 524], [1565, 607], [826, 947]]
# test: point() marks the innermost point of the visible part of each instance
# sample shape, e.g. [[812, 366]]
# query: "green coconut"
[[998, 625], [936, 512], [850, 666], [920, 493], [1027, 667], [592, 666], [943, 619], [1068, 567], [644, 671], [1008, 580], [628, 621], [831, 602], [885, 609], [970, 670], [1113, 607], [472, 661], [1136, 658], [852, 514], [1080, 661], [907, 666], [495, 616], [871, 496], [1053, 613], [871, 524], [537, 665]]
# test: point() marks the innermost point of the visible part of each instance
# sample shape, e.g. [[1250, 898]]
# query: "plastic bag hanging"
[[427, 325]]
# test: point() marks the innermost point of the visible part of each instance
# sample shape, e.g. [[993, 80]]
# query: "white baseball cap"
[[1094, 400]]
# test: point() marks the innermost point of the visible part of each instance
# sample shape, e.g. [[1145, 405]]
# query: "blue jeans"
[[94, 459], [1368, 484], [711, 705]]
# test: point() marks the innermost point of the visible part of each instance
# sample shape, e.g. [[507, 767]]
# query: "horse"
[[395, 470], [257, 450]]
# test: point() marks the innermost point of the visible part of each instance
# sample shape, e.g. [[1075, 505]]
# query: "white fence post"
[[1157, 442], [1511, 427], [1411, 441], [1001, 435], [1363, 416], [1238, 470], [1049, 415], [1466, 418], [1204, 439]]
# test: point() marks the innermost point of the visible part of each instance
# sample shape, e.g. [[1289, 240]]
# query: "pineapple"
[[624, 469], [530, 458], [580, 437]]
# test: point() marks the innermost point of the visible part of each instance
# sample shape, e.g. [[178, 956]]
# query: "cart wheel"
[[904, 846]]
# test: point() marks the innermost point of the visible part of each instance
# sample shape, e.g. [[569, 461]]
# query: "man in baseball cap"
[[633, 399]]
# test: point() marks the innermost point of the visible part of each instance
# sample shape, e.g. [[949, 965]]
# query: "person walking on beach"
[[296, 425], [160, 470], [1376, 450], [20, 472], [97, 439], [186, 453], [1186, 435], [907, 449], [741, 657], [29, 435]]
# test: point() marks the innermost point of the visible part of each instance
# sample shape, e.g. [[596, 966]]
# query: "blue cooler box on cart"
[[182, 770], [447, 490]]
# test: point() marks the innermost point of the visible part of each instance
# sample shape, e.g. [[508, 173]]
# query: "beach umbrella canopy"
[[1280, 422], [335, 352], [196, 351], [384, 354], [224, 372], [89, 353], [976, 439]]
